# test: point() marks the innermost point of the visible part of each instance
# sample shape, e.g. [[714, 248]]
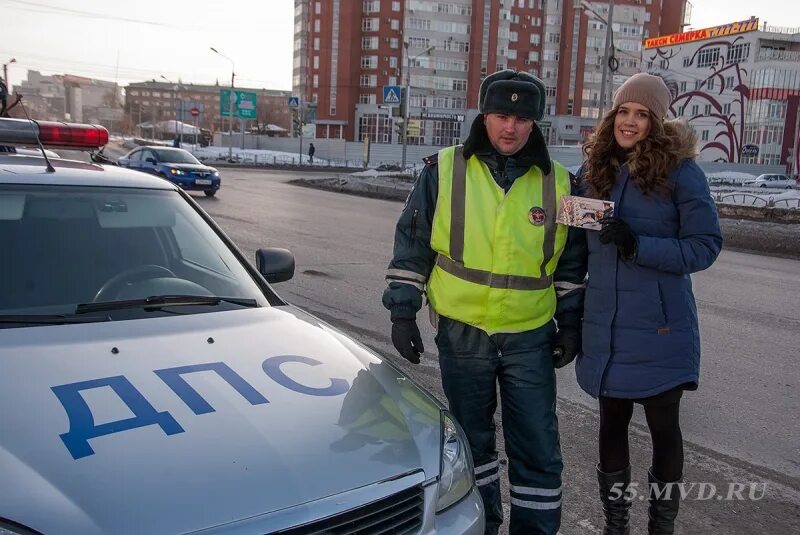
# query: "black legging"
[[665, 432]]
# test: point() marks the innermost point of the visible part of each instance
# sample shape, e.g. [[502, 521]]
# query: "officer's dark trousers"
[[473, 365]]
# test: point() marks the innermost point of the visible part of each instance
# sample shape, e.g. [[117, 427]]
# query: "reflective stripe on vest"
[[500, 288]]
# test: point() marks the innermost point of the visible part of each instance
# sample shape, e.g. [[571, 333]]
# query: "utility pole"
[[408, 96], [609, 39], [230, 104], [5, 73]]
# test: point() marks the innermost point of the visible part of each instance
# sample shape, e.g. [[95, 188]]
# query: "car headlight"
[[215, 173], [176, 172], [456, 476]]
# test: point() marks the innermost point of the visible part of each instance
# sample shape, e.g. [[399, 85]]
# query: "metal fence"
[[748, 199]]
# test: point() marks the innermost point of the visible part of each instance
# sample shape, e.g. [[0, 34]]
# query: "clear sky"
[[144, 39]]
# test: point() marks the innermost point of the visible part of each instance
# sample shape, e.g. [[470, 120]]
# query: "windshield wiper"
[[49, 319], [160, 301]]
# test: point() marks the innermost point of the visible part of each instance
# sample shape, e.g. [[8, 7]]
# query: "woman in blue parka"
[[641, 341]]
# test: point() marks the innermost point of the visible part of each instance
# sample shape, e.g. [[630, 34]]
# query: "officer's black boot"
[[615, 499], [664, 500]]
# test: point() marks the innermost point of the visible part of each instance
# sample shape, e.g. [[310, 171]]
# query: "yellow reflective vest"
[[497, 251]]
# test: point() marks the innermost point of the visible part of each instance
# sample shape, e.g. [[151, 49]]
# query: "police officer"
[[478, 236]]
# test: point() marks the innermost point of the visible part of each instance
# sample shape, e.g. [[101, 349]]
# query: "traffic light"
[[297, 123], [398, 126]]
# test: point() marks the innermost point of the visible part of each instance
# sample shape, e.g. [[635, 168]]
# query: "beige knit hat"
[[645, 89]]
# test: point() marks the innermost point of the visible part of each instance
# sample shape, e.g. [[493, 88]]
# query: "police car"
[[151, 380]]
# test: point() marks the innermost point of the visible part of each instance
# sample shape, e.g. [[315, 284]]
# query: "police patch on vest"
[[537, 216]]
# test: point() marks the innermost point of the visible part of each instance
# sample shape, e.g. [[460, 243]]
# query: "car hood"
[[188, 166], [175, 424]]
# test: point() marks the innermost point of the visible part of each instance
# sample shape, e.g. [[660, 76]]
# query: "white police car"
[[151, 381]]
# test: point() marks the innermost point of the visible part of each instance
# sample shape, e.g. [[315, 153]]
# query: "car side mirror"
[[151, 160], [276, 265]]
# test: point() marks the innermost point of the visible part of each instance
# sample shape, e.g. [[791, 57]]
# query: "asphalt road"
[[740, 427]]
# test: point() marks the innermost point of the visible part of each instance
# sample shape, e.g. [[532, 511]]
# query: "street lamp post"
[[5, 72], [608, 49], [230, 104], [408, 96], [175, 100]]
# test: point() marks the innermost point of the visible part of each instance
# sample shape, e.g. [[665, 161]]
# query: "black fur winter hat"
[[512, 92]]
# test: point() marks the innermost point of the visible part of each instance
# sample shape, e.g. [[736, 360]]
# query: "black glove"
[[566, 346], [618, 232], [407, 340]]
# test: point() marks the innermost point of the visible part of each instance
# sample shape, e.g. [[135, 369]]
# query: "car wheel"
[[210, 192], [763, 186]]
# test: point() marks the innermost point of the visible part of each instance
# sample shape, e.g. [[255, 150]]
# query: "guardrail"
[[748, 199]]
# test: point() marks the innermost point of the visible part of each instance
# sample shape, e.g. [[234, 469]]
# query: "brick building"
[[346, 51], [157, 101]]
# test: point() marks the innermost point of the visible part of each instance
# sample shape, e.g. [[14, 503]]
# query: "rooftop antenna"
[[50, 168]]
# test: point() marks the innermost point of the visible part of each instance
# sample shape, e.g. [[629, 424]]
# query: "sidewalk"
[[758, 237]]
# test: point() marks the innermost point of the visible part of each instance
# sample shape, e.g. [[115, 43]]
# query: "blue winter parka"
[[640, 328]]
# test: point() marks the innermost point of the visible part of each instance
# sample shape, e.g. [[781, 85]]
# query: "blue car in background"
[[176, 165]]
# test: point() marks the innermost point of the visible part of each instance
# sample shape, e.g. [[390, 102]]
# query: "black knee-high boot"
[[615, 500], [664, 500]]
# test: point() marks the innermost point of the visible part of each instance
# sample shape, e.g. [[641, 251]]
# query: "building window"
[[729, 82], [316, 62], [512, 54], [315, 81], [395, 6], [369, 43], [368, 80], [687, 61], [370, 24], [738, 53], [316, 26], [695, 110], [446, 133], [366, 99], [710, 84], [704, 135], [553, 37], [316, 43], [395, 24], [371, 6], [375, 127], [708, 57], [683, 87], [393, 62], [392, 80], [394, 42], [459, 85], [369, 62], [726, 108], [707, 110], [535, 39]]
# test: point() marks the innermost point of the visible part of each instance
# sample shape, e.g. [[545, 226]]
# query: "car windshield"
[[68, 245], [175, 156]]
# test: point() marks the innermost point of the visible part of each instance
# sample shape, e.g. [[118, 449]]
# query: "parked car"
[[176, 165], [770, 181], [152, 381]]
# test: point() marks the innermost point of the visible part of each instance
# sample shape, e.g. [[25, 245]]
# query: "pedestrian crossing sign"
[[391, 94]]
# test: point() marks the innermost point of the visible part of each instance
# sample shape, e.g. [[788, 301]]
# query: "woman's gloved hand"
[[619, 233]]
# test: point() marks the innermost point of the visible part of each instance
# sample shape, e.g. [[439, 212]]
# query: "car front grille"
[[397, 514]]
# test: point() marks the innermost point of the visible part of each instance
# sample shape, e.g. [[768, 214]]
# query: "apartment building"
[[158, 101], [345, 52], [738, 86]]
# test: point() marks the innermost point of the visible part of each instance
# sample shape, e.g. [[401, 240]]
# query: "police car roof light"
[[52, 134], [79, 136]]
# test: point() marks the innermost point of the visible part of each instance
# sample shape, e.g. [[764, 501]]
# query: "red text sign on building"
[[700, 35]]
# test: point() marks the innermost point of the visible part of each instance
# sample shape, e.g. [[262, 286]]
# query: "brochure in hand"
[[583, 212]]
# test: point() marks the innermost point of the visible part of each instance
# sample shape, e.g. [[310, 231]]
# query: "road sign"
[[195, 112], [243, 104], [294, 101], [391, 94]]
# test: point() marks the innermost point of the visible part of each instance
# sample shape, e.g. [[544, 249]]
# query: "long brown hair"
[[650, 162]]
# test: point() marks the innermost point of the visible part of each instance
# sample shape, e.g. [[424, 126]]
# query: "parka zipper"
[[414, 223]]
